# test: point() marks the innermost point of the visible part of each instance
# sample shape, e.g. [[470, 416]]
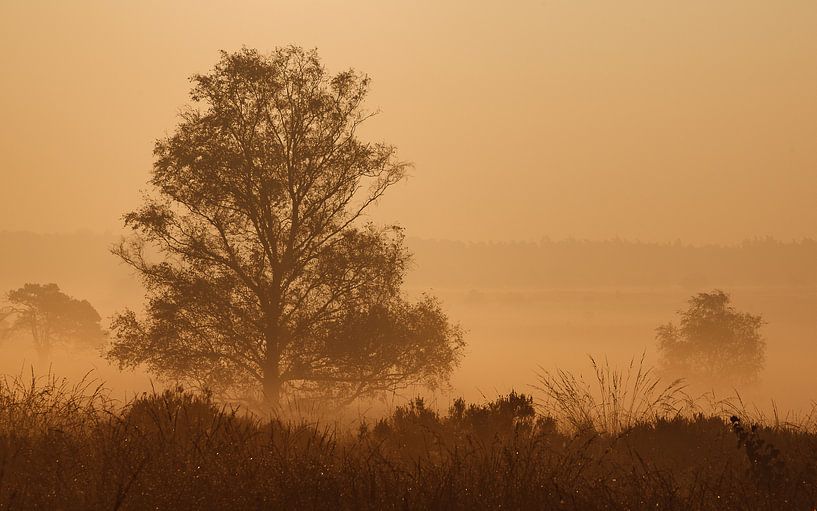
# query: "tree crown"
[[713, 341], [268, 274], [52, 316]]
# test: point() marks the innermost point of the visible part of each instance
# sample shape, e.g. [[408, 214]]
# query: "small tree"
[[52, 317], [268, 278], [713, 342], [5, 328]]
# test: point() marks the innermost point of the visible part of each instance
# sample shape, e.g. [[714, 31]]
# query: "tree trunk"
[[42, 345], [272, 384], [43, 357], [272, 366]]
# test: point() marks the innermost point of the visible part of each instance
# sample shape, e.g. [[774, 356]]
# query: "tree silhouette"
[[267, 278], [5, 327], [713, 342], [52, 317]]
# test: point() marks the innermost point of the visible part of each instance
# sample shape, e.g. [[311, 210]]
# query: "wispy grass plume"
[[614, 400]]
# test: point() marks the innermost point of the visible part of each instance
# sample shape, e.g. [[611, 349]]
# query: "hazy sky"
[[651, 120]]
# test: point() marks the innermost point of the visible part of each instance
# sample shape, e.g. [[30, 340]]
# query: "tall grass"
[[36, 405], [614, 400], [69, 447]]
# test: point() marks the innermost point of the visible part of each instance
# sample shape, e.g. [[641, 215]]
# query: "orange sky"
[[651, 120]]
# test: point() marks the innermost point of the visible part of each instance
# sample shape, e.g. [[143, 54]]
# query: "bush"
[[180, 450]]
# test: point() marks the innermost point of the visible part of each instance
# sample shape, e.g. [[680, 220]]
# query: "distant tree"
[[267, 279], [713, 342], [5, 327], [52, 317]]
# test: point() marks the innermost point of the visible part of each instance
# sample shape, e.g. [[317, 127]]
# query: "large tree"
[[713, 342], [51, 317], [265, 276]]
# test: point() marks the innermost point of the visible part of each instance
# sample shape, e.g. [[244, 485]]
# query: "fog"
[[579, 169], [638, 120], [527, 307]]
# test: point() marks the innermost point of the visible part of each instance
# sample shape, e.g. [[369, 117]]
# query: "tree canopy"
[[713, 341], [268, 279], [52, 317]]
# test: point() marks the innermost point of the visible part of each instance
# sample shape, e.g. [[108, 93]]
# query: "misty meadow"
[[551, 263]]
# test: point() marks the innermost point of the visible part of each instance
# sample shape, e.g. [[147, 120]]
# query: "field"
[[515, 334], [64, 447], [375, 255], [69, 445]]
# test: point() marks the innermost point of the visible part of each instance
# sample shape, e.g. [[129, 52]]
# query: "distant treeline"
[[614, 263], [81, 263]]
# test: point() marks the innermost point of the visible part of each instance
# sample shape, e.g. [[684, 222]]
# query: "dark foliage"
[[52, 317], [177, 450], [713, 342], [268, 279]]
